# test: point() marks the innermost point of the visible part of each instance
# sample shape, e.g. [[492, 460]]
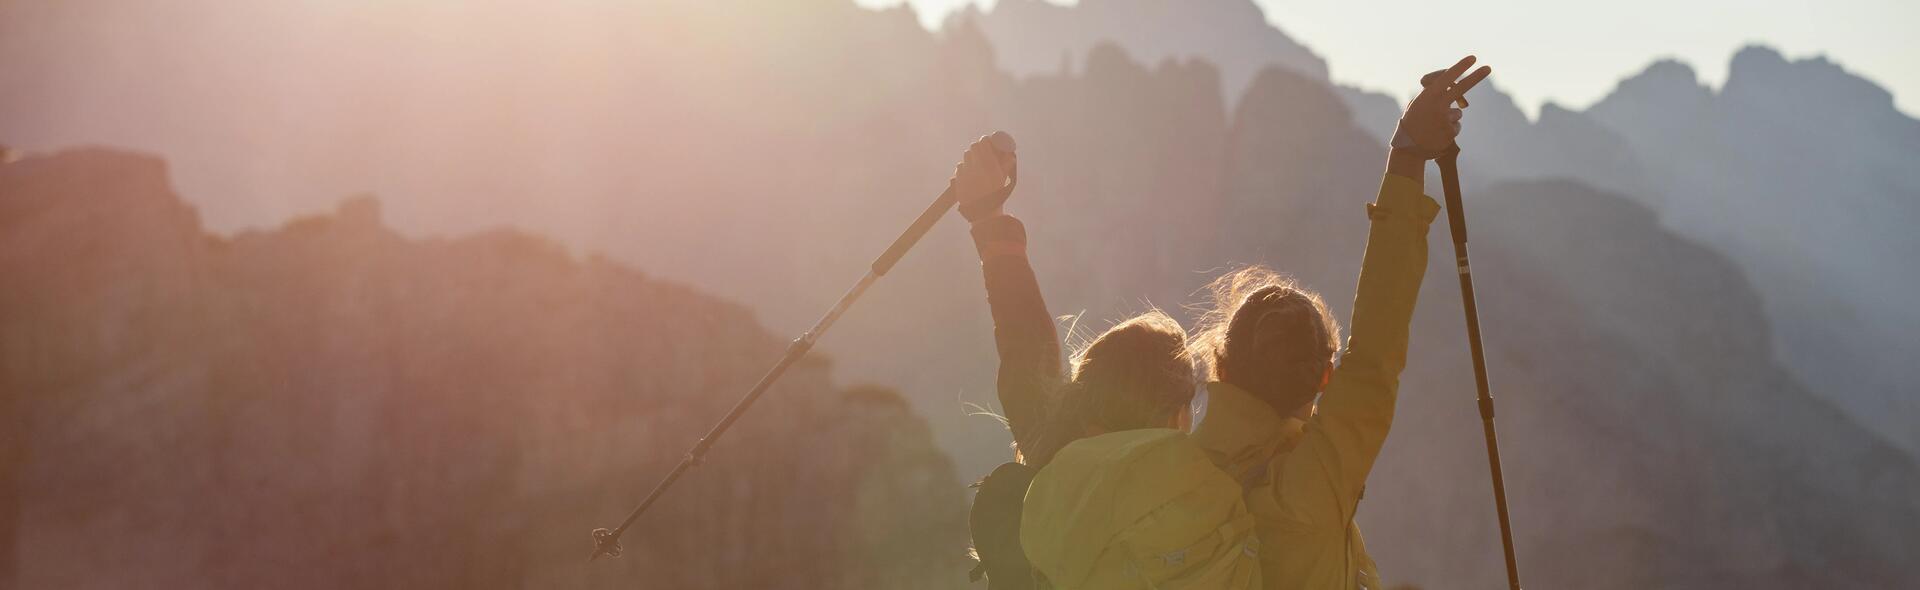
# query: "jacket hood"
[[1240, 432]]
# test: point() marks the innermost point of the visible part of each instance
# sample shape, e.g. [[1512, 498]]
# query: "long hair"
[[1137, 374], [1268, 335]]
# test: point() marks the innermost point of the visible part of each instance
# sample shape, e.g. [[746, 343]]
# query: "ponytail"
[[1268, 335]]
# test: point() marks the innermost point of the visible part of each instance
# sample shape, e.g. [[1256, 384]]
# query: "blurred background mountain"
[[331, 404], [1704, 374]]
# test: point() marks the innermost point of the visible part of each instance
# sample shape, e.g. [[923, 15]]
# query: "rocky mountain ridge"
[[331, 404]]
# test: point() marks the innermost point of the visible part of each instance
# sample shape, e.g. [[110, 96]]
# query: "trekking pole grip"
[[1002, 142], [1449, 163]]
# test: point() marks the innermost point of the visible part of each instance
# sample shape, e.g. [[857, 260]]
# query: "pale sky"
[[1573, 52]]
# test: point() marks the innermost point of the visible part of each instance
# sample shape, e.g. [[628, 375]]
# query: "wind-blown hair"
[[1265, 333], [1137, 374]]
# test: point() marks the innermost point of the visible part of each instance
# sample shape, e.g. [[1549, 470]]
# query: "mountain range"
[[330, 404], [1663, 427]]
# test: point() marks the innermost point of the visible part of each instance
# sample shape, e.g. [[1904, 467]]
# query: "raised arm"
[[1023, 331], [1344, 437]]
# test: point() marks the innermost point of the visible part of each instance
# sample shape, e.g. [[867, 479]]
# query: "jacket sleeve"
[[1322, 479], [1023, 332]]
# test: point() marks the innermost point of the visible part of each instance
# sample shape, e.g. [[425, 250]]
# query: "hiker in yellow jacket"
[[1272, 345], [1118, 496]]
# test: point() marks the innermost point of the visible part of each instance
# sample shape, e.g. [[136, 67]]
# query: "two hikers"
[[1108, 424], [1110, 493]]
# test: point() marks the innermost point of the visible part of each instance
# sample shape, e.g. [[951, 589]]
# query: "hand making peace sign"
[[1430, 123]]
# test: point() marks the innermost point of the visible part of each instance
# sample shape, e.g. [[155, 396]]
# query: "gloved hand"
[[981, 182], [1430, 125]]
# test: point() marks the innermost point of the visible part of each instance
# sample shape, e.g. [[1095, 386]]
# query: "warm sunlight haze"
[[959, 294]]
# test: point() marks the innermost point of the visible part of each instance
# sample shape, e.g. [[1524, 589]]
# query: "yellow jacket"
[[1138, 509], [1304, 480]]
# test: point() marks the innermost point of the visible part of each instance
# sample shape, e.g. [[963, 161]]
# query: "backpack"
[[994, 523]]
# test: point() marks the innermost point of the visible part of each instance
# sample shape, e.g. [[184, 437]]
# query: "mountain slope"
[[1802, 173], [333, 405], [1623, 446]]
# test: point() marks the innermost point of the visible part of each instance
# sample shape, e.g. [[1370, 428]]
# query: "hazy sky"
[[1571, 52]]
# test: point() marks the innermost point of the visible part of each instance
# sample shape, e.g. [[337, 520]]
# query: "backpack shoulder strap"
[[995, 524]]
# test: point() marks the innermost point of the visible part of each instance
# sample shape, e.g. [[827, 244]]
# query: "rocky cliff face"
[[1801, 172], [330, 404]]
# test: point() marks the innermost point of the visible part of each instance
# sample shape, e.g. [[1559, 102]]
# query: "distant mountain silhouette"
[[333, 405], [1039, 37], [1802, 173], [1659, 429]]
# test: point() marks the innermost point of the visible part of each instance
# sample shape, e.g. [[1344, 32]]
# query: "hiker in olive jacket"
[[1119, 498], [1272, 345]]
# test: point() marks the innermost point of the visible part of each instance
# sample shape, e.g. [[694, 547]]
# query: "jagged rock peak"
[[1667, 76], [1031, 36], [1759, 56], [1761, 74], [128, 185], [1662, 91]]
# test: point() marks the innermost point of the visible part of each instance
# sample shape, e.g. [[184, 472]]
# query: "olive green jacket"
[[1303, 480], [1139, 509]]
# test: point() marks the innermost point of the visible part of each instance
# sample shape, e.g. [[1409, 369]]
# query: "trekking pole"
[[1457, 222], [607, 542]]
